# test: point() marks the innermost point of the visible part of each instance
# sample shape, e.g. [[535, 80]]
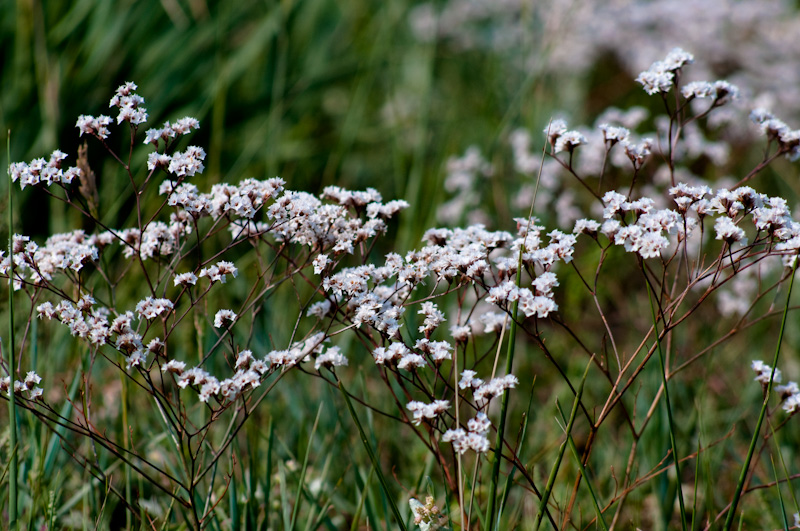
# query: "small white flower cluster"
[[185, 164], [789, 393], [428, 516], [30, 386], [648, 234], [381, 306], [224, 319], [494, 322], [661, 74], [250, 370], [86, 321], [788, 139], [321, 263], [331, 358], [401, 354], [185, 279], [764, 372], [539, 305], [243, 200], [219, 272], [83, 321], [423, 411], [433, 318], [461, 333], [158, 239], [439, 351], [150, 308], [303, 219], [561, 139], [352, 198], [720, 91], [298, 352], [483, 391], [727, 230], [61, 252], [40, 171], [613, 134], [474, 438], [94, 126], [248, 376], [171, 130], [129, 104]]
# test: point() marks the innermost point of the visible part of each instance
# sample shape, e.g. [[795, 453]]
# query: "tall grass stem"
[[554, 471], [373, 458], [672, 438], [582, 468], [12, 408], [751, 450]]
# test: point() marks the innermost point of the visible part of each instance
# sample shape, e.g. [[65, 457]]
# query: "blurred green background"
[[317, 92]]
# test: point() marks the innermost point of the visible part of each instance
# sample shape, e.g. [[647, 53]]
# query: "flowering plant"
[[434, 324]]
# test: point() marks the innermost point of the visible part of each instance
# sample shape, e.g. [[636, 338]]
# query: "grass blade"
[[554, 471], [300, 482], [12, 408], [672, 438], [751, 450], [510, 478], [364, 492], [373, 458], [586, 479], [780, 496]]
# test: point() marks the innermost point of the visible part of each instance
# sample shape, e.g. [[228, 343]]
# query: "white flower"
[[660, 75], [32, 379], [475, 439], [138, 357], [210, 388], [555, 129], [480, 424], [224, 319], [656, 79], [174, 366], [185, 279], [698, 89], [764, 372], [461, 333], [93, 126], [433, 317], [493, 322], [151, 308], [319, 309], [495, 387], [728, 231], [468, 380], [331, 358], [45, 310], [613, 134], [244, 360], [411, 361], [320, 263], [638, 152], [586, 226], [422, 410], [219, 271], [569, 140]]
